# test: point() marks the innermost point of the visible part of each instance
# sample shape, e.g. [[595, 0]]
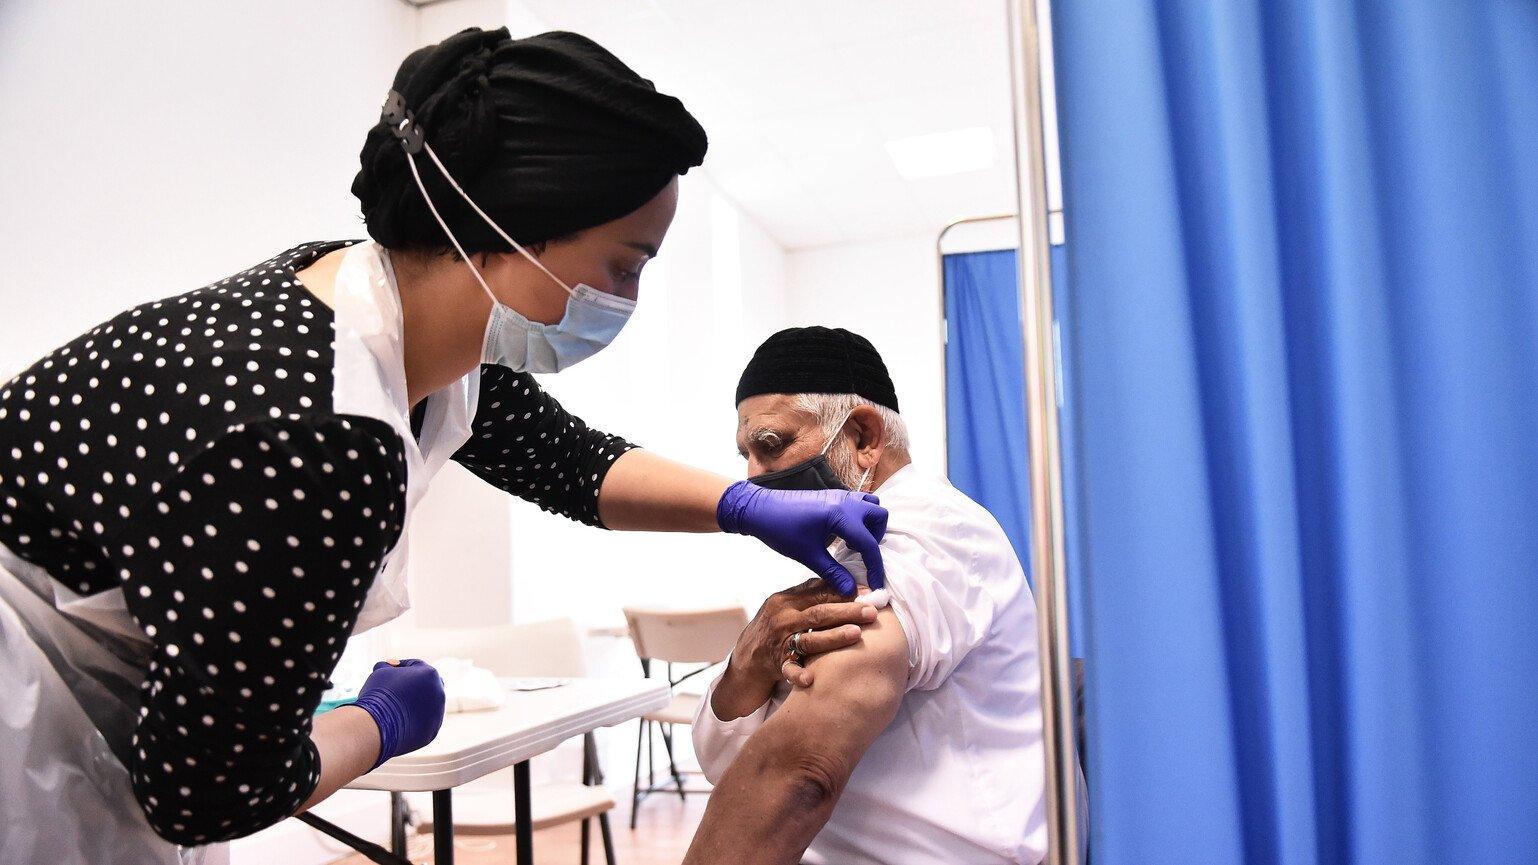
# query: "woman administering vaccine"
[[202, 498]]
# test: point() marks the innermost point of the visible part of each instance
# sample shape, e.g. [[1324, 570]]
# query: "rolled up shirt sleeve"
[[944, 609], [716, 742]]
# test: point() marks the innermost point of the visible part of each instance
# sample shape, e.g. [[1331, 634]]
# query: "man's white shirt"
[[958, 775]]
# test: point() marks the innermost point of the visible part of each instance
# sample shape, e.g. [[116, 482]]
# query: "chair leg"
[[635, 792], [651, 758], [608, 838], [586, 830], [667, 742]]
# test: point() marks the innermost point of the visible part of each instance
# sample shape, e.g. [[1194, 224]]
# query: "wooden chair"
[[697, 638]]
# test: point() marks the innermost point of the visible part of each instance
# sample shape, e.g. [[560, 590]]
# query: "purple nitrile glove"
[[406, 701], [798, 523]]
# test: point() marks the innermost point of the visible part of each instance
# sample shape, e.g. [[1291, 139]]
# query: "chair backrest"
[[548, 648], [686, 636]]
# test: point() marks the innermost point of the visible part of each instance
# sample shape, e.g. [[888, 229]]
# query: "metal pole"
[[1041, 421]]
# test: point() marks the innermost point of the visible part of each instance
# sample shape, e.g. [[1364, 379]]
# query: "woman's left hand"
[[799, 523]]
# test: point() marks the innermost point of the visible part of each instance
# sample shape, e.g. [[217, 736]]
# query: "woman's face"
[[608, 257]]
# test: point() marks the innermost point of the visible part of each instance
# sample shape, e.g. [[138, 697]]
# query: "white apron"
[[371, 381], [70, 672], [71, 666]]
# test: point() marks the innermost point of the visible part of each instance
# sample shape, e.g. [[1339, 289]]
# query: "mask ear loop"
[[840, 428], [863, 478], [403, 126], [489, 221], [475, 271]]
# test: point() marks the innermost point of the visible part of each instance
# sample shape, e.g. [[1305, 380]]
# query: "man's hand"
[[763, 654]]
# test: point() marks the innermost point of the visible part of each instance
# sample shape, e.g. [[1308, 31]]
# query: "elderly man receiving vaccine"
[[911, 734]]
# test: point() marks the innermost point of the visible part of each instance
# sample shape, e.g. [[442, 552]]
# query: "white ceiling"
[[799, 98]]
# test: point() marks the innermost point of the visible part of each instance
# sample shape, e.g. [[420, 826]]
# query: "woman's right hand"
[[405, 699], [798, 524], [764, 652]]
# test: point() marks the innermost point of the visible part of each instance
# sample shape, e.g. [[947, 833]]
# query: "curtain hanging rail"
[[968, 220], [1047, 565], [945, 326]]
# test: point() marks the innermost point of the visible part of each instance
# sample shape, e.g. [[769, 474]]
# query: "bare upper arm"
[[783, 785], [854, 694]]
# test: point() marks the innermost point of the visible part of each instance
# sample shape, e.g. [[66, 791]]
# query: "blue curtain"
[[1303, 267], [985, 390], [985, 406]]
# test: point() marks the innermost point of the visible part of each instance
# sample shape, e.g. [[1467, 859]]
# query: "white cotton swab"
[[877, 598]]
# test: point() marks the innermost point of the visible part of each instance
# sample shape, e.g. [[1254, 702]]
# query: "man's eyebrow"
[[766, 436], [762, 435], [651, 251]]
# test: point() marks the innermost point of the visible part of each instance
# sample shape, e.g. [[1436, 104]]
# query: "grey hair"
[[832, 410]]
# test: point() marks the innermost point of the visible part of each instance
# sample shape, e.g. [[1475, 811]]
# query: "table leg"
[[523, 813], [373, 852], [398, 825], [443, 827]]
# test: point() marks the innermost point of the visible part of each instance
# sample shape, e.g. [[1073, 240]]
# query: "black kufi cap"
[[818, 360]]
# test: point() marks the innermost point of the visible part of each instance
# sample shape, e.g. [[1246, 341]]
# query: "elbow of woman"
[[185, 824], [191, 817]]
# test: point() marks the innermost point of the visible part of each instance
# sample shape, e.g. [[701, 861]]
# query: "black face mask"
[[813, 473]]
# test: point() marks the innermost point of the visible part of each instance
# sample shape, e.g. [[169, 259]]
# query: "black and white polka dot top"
[[186, 453]]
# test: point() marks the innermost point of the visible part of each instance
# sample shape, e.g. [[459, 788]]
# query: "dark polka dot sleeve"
[[524, 443], [247, 573]]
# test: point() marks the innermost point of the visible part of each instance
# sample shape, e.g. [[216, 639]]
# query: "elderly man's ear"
[[869, 433]]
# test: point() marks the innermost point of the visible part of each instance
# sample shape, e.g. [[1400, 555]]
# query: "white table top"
[[473, 744]]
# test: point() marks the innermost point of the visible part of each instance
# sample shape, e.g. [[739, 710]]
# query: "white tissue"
[[855, 563], [468, 688]]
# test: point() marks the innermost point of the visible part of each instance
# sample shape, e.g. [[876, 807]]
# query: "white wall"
[[441, 20], [152, 148], [889, 292]]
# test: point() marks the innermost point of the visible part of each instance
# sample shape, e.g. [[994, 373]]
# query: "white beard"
[[841, 460]]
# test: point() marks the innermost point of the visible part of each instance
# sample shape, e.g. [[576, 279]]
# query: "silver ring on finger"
[[795, 644]]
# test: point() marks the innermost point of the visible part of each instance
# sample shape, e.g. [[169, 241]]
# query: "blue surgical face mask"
[[593, 318]]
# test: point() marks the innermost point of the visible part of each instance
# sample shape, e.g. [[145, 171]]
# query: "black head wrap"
[[550, 135], [818, 360]]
